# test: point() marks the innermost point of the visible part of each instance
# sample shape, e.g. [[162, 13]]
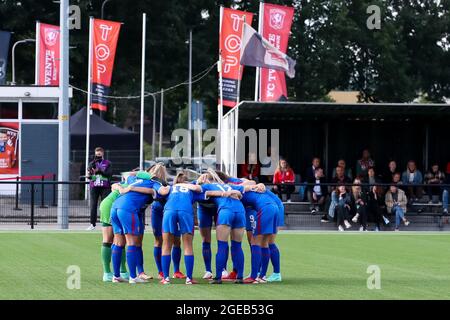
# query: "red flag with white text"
[[230, 34], [48, 54], [276, 27], [105, 35]]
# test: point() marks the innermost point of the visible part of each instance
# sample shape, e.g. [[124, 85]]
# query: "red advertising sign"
[[105, 35], [230, 50], [276, 26], [48, 55], [9, 148]]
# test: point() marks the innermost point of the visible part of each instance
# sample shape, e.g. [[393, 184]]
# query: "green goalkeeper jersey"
[[106, 204]]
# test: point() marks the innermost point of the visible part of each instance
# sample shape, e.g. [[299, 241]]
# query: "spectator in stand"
[[99, 173], [410, 177], [391, 170], [251, 169], [283, 180], [343, 207], [376, 206], [317, 191], [396, 201], [372, 179], [433, 178], [363, 164], [347, 171], [446, 190], [311, 171], [340, 177], [266, 170], [397, 179], [359, 205]]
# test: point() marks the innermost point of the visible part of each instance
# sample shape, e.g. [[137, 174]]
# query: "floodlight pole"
[[13, 80], [64, 113]]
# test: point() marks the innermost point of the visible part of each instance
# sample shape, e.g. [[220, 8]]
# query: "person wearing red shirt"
[[251, 169], [283, 179]]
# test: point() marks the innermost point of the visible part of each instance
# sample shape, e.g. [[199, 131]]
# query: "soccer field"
[[314, 266]]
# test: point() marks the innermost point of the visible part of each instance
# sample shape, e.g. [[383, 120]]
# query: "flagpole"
[[141, 149], [161, 124], [88, 106], [236, 112], [220, 109], [37, 54], [63, 115], [258, 70]]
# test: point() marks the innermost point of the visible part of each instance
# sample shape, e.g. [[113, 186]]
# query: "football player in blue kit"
[[179, 215], [158, 171], [128, 225], [269, 249], [230, 221]]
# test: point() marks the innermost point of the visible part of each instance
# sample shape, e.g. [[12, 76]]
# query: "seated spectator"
[[388, 175], [250, 170], [347, 171], [376, 206], [363, 164], [311, 171], [433, 178], [396, 201], [340, 177], [283, 179], [359, 205], [343, 207], [372, 179], [410, 177], [446, 190], [317, 191], [397, 179]]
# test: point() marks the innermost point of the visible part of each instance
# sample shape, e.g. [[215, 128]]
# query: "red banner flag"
[[47, 60], [105, 35], [276, 26], [230, 50]]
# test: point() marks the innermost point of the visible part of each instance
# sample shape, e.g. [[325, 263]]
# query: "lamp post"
[[13, 81], [103, 8]]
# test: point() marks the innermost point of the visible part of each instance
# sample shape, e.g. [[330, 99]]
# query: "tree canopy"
[[407, 58]]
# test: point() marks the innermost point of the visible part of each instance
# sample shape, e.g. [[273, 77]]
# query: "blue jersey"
[[232, 180], [256, 200], [133, 200], [222, 202], [181, 198]]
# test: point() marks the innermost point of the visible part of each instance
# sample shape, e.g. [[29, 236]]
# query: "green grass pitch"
[[33, 265]]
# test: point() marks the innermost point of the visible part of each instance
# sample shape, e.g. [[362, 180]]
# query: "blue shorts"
[[206, 214], [178, 221], [266, 220], [234, 219], [280, 206], [126, 222], [157, 219], [250, 215]]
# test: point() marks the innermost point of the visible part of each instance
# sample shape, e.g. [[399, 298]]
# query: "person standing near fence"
[[99, 173]]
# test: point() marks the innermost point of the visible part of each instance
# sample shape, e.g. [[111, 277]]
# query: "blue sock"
[[165, 262], [206, 251], [256, 260], [157, 256], [140, 260], [275, 257], [225, 266], [221, 257], [116, 257], [189, 263], [132, 259], [265, 258], [237, 255], [176, 258]]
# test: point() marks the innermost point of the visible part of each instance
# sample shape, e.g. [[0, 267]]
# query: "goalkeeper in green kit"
[[107, 230]]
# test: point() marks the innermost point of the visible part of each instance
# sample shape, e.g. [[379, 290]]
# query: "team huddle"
[[233, 205]]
